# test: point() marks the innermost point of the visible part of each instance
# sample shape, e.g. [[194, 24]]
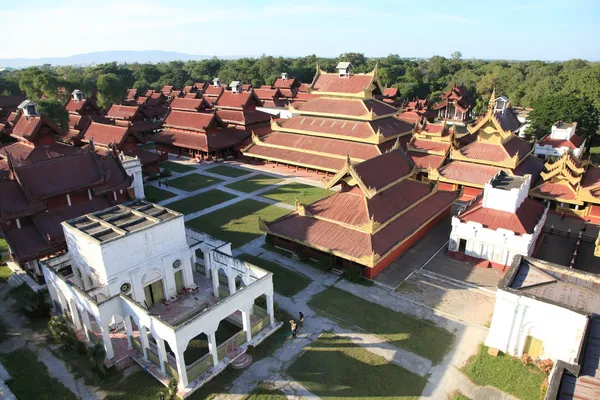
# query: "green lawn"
[[285, 281], [5, 273], [231, 172], [3, 245], [200, 201], [334, 368], [254, 183], [155, 194], [137, 386], [416, 335], [305, 194], [30, 378], [192, 182], [237, 223], [176, 167], [265, 393], [505, 373], [459, 396]]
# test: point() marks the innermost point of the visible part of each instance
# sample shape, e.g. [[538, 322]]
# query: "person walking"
[[301, 320], [293, 327], [562, 216], [159, 183]]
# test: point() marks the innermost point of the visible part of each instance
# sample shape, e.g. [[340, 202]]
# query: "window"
[[31, 110], [176, 264], [126, 287]]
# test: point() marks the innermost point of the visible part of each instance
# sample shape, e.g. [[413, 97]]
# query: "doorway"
[[179, 280], [462, 245], [154, 293]]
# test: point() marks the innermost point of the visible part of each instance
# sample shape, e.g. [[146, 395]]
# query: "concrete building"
[[123, 284], [561, 140], [499, 223], [544, 310]]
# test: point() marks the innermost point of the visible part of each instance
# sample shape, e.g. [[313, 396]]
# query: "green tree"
[[456, 55], [111, 90], [55, 112]]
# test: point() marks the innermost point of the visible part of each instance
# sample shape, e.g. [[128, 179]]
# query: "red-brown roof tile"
[[425, 161], [555, 191], [105, 135], [122, 112], [521, 222], [573, 143], [238, 100], [478, 174], [347, 84], [195, 121]]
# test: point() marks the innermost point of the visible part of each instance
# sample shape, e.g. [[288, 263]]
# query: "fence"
[[199, 367], [260, 325]]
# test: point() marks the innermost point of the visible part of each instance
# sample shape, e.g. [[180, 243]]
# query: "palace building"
[[498, 224], [562, 139], [416, 110], [378, 214], [239, 108], [489, 146], [456, 105], [344, 120], [572, 186], [430, 145]]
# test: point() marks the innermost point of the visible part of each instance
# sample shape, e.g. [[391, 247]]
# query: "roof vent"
[[78, 95], [29, 108], [344, 68], [284, 75], [235, 86], [216, 82]]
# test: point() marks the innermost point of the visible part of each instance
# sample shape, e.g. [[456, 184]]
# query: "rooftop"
[[507, 182], [121, 220]]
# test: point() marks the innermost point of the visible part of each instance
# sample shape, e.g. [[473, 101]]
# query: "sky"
[[500, 29]]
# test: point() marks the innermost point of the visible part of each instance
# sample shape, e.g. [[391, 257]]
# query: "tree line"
[[556, 90]]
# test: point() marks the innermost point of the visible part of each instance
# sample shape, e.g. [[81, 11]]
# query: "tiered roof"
[[459, 96], [489, 146], [415, 110], [333, 125], [430, 144], [33, 183], [240, 109], [377, 210]]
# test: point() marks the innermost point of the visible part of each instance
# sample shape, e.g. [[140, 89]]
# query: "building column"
[[231, 284], [215, 282], [181, 370], [270, 308], [206, 267], [107, 343], [212, 346], [75, 315], [128, 331], [144, 341], [246, 322], [162, 354], [87, 325]]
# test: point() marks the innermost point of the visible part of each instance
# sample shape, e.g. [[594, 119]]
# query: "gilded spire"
[[492, 102]]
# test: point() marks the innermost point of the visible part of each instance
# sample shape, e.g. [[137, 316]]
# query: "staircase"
[[240, 358], [459, 256]]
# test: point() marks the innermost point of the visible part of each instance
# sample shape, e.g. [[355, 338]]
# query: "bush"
[[62, 333], [545, 365], [353, 273], [165, 173], [525, 359], [325, 262]]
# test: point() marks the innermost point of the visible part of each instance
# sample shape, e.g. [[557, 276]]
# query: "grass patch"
[[254, 183], [3, 245], [263, 392], [137, 386], [285, 281], [458, 396], [5, 273], [30, 378], [505, 373], [333, 367], [409, 287], [401, 330], [192, 182], [230, 172], [305, 194], [155, 194], [200, 201], [237, 223], [176, 167]]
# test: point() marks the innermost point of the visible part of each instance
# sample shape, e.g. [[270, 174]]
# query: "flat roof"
[[120, 220], [553, 283], [507, 182]]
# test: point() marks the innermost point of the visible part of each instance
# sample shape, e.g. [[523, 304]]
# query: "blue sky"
[[500, 29]]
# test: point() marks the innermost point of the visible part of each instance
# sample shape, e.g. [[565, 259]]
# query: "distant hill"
[[98, 57]]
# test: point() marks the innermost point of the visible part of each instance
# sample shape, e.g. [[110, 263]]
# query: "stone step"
[[16, 280], [242, 361]]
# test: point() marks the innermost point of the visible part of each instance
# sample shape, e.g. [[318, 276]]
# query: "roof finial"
[[492, 102]]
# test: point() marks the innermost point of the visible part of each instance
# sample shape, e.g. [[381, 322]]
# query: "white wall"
[[549, 151], [505, 200], [133, 167], [561, 134], [516, 317]]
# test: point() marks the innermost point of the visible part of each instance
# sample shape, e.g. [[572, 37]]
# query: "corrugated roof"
[[326, 82], [521, 222]]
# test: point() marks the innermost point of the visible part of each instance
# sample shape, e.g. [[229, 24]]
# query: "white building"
[[129, 281], [133, 168], [499, 223], [561, 140], [543, 309]]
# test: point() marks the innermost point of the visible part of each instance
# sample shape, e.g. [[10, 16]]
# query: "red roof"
[[193, 104], [342, 84], [477, 174], [237, 100], [122, 112], [430, 145], [267, 93], [391, 92], [349, 107], [376, 172], [195, 121], [426, 161], [285, 83], [28, 127], [75, 105], [213, 91], [105, 135], [555, 190], [521, 222], [243, 117], [295, 157], [573, 143], [222, 139]]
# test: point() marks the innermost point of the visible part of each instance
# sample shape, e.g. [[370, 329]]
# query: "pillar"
[[247, 323], [181, 370], [107, 343], [75, 315], [162, 354], [87, 325], [215, 282], [206, 265], [270, 309], [231, 284], [212, 346], [144, 341], [128, 331]]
